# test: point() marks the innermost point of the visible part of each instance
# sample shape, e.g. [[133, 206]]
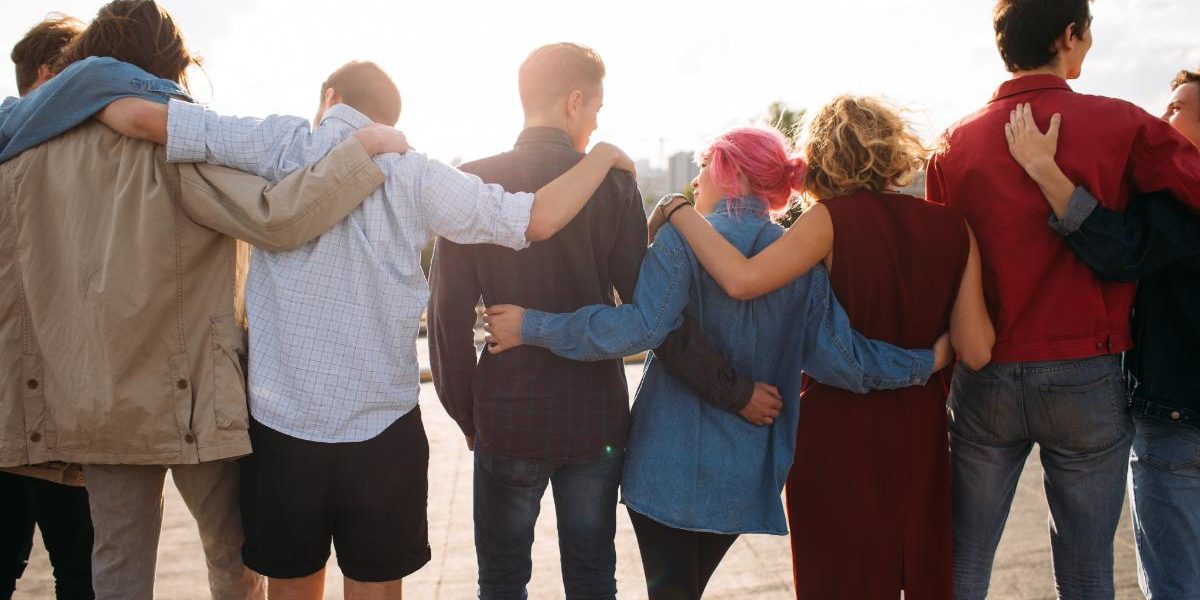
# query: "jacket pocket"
[[229, 374]]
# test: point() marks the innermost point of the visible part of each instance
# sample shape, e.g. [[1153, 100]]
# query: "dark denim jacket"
[[690, 464], [1156, 242], [72, 97]]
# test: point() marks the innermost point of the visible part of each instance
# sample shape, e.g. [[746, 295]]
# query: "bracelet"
[[681, 205]]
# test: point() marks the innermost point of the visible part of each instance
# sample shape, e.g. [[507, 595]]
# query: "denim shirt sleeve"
[[1154, 233], [72, 97], [271, 148], [834, 354], [601, 332]]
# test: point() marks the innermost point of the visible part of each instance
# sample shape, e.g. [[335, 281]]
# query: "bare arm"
[[137, 118], [804, 245], [557, 202], [145, 120], [1035, 151], [971, 330]]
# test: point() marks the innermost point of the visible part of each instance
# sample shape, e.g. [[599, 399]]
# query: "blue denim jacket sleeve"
[[834, 354], [72, 97], [601, 332]]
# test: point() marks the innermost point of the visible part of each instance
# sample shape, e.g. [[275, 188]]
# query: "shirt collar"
[[544, 135], [746, 205], [1029, 83], [346, 114]]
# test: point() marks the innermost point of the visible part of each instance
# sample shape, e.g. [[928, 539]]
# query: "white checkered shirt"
[[333, 323]]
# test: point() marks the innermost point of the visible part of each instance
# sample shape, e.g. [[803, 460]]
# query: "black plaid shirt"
[[527, 402]]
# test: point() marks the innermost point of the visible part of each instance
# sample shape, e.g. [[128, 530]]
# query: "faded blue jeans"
[[508, 497], [1164, 482], [1075, 411]]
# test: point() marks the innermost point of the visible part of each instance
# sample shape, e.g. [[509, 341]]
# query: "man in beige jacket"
[[119, 336]]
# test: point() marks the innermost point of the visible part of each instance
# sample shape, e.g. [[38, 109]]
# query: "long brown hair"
[[139, 32]]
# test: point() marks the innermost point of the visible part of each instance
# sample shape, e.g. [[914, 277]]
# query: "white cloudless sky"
[[677, 72]]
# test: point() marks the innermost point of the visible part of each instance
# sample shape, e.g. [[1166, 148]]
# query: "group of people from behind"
[[126, 340]]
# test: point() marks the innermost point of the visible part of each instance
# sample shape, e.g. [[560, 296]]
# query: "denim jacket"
[[72, 97], [689, 464]]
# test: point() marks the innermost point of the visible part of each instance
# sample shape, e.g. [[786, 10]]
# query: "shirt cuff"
[[513, 220], [533, 328], [185, 132], [1079, 208], [922, 367]]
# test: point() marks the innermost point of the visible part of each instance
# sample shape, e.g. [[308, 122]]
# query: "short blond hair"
[[859, 143]]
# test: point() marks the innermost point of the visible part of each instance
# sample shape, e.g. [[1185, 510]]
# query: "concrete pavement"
[[757, 567]]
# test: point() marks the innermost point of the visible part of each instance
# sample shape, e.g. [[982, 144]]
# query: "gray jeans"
[[126, 502], [1074, 410]]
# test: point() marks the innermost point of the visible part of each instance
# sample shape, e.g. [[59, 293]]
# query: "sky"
[[678, 73]]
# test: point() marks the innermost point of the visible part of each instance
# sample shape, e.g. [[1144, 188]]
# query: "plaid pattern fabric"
[[333, 323], [528, 402]]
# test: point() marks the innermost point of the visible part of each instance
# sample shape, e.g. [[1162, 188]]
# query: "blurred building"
[[681, 170]]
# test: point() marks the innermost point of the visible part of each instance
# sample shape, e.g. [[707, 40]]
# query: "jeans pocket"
[[1086, 417], [972, 405], [1168, 446]]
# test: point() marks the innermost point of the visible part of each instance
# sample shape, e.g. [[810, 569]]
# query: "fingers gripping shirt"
[[333, 324]]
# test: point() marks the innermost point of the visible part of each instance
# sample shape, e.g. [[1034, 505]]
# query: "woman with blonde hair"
[[869, 490]]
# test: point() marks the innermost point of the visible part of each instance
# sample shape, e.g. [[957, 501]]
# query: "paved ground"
[[757, 566]]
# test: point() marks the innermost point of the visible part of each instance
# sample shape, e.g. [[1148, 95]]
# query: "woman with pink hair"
[[696, 475], [869, 494]]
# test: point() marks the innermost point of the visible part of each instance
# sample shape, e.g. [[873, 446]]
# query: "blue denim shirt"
[[72, 97], [689, 464]]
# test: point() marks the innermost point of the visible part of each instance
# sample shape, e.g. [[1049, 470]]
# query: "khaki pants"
[[126, 502]]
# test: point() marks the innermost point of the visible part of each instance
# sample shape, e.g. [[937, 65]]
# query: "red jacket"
[[1046, 304]]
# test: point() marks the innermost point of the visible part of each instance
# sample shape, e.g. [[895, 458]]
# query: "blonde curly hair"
[[859, 143]]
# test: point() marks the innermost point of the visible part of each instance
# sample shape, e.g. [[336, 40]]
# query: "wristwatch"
[[666, 201]]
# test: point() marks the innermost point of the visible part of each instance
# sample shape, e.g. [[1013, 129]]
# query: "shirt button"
[[1175, 416], [189, 439], [1099, 345], [181, 384], [35, 437], [32, 384]]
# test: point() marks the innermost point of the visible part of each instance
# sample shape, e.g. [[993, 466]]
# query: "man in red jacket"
[[1056, 379]]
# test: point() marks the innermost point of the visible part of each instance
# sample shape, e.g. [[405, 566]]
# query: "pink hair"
[[754, 161]]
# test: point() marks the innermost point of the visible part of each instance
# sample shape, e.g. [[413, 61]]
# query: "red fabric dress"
[[869, 493]]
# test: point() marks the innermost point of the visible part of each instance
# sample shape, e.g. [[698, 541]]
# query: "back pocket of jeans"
[[1169, 446], [1086, 417], [972, 405]]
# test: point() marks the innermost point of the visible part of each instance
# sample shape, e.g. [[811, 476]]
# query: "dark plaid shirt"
[[528, 402]]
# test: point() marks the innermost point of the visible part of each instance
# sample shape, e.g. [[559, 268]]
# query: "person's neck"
[[1056, 69], [532, 121]]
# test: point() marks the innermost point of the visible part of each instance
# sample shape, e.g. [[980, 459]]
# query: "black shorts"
[[369, 498]]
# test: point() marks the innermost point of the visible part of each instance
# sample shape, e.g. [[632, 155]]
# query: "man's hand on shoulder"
[[620, 160], [136, 118], [377, 138]]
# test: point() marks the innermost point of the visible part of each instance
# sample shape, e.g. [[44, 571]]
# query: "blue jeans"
[[508, 497], [1075, 411], [1164, 481]]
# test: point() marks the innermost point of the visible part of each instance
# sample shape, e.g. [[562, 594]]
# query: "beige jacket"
[[118, 337]]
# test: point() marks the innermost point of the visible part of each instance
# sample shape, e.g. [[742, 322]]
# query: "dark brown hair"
[[41, 46], [1026, 29], [364, 87], [1185, 77], [139, 32], [553, 71]]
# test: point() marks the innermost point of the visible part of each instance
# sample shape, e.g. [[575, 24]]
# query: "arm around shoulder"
[[285, 215]]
